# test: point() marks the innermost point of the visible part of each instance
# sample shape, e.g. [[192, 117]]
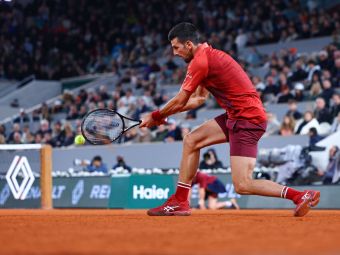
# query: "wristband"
[[156, 115]]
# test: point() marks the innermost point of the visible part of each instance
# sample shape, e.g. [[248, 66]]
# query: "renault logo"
[[20, 164]]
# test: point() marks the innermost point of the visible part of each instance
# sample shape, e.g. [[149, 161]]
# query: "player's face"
[[183, 50]]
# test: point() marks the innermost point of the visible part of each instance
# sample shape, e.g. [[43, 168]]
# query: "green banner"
[[119, 191], [147, 191]]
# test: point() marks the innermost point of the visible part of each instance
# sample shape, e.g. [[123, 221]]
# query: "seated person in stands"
[[23, 117], [210, 160], [273, 125], [293, 112], [298, 92], [287, 126], [335, 109], [332, 172], [97, 165], [285, 95], [308, 122], [209, 188], [321, 112], [314, 137], [121, 163], [336, 124]]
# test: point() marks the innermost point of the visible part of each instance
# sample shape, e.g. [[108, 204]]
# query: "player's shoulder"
[[199, 61]]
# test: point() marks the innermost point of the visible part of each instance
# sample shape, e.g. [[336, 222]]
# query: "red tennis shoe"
[[172, 207], [310, 198]]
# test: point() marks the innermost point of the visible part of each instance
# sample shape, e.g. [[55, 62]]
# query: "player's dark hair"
[[184, 32]]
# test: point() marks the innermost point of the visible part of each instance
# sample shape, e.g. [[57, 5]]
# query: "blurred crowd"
[[58, 39]]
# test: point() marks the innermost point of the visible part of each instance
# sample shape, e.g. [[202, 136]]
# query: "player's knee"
[[242, 187], [190, 142]]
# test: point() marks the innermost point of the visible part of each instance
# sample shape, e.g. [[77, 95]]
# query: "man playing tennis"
[[242, 125]]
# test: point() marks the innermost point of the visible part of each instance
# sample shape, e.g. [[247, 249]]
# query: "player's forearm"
[[175, 105], [193, 103], [172, 107]]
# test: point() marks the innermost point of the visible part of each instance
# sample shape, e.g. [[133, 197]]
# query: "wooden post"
[[46, 177]]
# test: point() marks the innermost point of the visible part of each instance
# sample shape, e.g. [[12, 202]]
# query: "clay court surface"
[[132, 232]]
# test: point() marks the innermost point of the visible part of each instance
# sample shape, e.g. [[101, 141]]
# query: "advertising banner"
[[31, 200], [146, 191], [67, 192], [81, 192]]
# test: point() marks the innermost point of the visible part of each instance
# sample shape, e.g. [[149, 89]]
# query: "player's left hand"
[[148, 121]]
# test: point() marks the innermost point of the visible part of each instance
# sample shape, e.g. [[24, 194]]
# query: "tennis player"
[[242, 125]]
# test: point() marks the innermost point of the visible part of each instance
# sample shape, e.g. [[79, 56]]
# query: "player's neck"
[[195, 48]]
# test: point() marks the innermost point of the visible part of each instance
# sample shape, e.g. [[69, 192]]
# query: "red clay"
[[133, 232]]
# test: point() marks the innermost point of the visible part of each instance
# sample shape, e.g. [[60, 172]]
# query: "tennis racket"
[[104, 126]]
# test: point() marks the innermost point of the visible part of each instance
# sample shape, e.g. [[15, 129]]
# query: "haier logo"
[[140, 192], [20, 164]]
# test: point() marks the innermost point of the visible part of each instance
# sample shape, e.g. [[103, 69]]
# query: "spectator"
[[128, 99], [3, 130], [83, 111], [38, 138], [298, 92], [314, 137], [336, 73], [327, 92], [273, 125], [293, 112], [23, 117], [58, 134], [314, 69], [36, 115], [16, 138], [316, 87], [160, 133], [144, 136], [103, 93], [174, 132], [97, 165], [209, 188], [2, 139], [44, 127], [27, 136], [304, 125], [287, 126], [121, 163], [324, 61], [336, 124], [321, 113], [210, 160], [72, 113], [69, 135], [335, 109], [15, 129], [332, 173], [299, 74], [285, 95]]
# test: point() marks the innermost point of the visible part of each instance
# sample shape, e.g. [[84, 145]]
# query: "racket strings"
[[102, 127]]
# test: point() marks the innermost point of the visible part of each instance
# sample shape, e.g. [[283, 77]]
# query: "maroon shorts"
[[243, 135]]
